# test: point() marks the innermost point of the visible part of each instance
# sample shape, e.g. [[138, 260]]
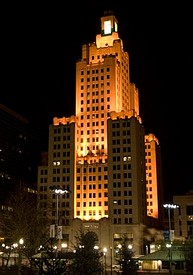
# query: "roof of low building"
[[164, 255]]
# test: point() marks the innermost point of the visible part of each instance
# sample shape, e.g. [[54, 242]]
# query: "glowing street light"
[[57, 190], [21, 242], [169, 207], [130, 246], [169, 246], [105, 257]]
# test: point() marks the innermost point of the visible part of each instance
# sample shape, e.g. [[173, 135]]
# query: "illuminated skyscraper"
[[99, 153]]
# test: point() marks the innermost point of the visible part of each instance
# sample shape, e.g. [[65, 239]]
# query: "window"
[[189, 209]]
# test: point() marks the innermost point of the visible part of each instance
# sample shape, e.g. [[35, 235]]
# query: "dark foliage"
[[126, 261], [87, 259]]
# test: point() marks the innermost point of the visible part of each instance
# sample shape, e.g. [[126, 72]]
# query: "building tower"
[[154, 183], [99, 153]]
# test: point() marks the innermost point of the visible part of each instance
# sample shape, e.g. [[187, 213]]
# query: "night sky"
[[41, 43]]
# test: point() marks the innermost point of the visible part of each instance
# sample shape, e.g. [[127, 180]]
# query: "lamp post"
[[111, 249], [57, 190], [120, 256], [105, 257], [169, 206], [21, 242], [169, 246]]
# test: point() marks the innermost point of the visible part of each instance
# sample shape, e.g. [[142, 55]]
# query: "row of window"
[[92, 203], [94, 123], [88, 132], [126, 220], [125, 202], [96, 71], [65, 138], [125, 167], [64, 170], [96, 108], [119, 184], [125, 193], [93, 186], [92, 213], [121, 141], [121, 133], [102, 115], [120, 124], [95, 85], [103, 169], [124, 149], [64, 154], [57, 130], [92, 195], [120, 175], [95, 78], [64, 146], [61, 179], [64, 162], [93, 169], [91, 161], [94, 139], [126, 211], [92, 178], [95, 100], [94, 93]]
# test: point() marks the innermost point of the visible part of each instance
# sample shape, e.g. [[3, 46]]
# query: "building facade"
[[99, 154], [183, 216], [19, 154]]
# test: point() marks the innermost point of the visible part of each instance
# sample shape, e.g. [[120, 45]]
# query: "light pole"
[[120, 256], [111, 249], [21, 242], [57, 190], [105, 257], [170, 206]]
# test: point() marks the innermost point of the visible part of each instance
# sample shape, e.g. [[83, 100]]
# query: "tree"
[[126, 261], [87, 258], [23, 220], [51, 261], [189, 256]]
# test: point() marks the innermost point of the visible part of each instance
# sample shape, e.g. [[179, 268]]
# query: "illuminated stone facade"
[[99, 154]]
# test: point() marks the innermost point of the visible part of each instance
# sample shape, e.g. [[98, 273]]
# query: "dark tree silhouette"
[[23, 220], [126, 261], [87, 259]]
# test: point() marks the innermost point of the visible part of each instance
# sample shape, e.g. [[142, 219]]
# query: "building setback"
[[99, 153]]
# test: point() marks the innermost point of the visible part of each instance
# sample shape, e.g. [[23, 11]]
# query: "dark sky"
[[40, 44]]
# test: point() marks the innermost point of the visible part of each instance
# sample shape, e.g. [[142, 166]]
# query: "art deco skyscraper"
[[99, 153]]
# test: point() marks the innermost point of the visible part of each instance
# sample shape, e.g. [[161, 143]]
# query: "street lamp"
[[130, 246], [105, 257], [111, 249], [120, 256], [169, 206], [57, 190], [64, 247], [21, 242]]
